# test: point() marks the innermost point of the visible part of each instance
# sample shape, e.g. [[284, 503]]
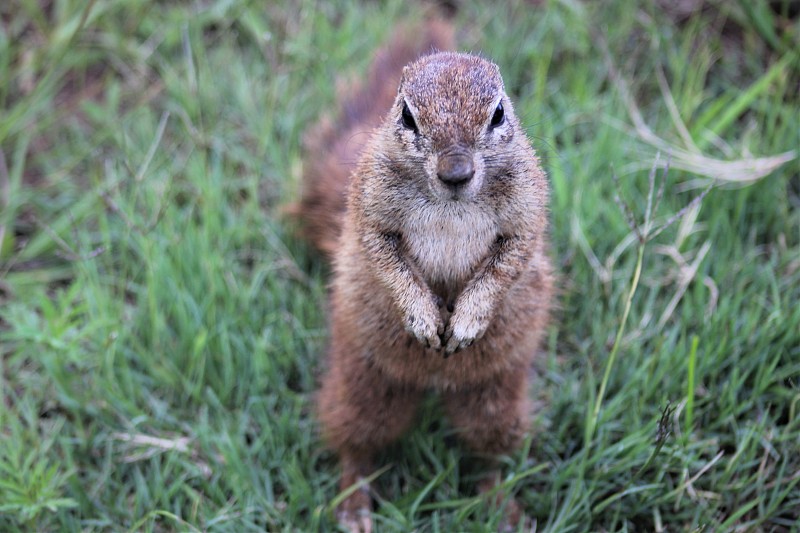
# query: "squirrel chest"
[[448, 241]]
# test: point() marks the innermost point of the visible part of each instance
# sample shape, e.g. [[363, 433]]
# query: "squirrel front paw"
[[425, 324], [463, 329]]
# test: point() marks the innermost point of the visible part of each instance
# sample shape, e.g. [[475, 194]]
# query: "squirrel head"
[[452, 124]]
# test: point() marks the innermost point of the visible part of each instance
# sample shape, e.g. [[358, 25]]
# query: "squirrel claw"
[[429, 342], [427, 332], [434, 343], [453, 345], [464, 328]]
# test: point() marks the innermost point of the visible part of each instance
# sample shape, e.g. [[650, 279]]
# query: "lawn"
[[162, 329]]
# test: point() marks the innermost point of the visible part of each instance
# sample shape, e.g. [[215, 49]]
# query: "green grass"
[[162, 331]]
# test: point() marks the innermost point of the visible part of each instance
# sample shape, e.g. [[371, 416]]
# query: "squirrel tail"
[[333, 146]]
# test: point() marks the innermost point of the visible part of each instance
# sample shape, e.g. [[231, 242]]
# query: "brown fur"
[[424, 269], [333, 147]]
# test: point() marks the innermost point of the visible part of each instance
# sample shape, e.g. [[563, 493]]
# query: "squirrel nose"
[[455, 169]]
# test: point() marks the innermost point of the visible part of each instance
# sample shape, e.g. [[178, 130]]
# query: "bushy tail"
[[333, 146]]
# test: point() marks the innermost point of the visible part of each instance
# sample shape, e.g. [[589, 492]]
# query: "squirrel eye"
[[499, 116], [408, 119]]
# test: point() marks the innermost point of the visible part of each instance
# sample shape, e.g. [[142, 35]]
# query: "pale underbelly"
[[447, 247]]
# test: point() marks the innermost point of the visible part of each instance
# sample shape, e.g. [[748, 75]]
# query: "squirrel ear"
[[402, 80]]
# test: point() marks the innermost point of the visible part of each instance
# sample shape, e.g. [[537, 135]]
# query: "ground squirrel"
[[442, 248]]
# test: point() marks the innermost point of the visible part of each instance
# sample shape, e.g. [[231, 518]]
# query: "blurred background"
[[162, 328]]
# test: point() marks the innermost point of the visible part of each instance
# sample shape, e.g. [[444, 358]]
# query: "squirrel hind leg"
[[361, 413], [353, 514], [492, 419]]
